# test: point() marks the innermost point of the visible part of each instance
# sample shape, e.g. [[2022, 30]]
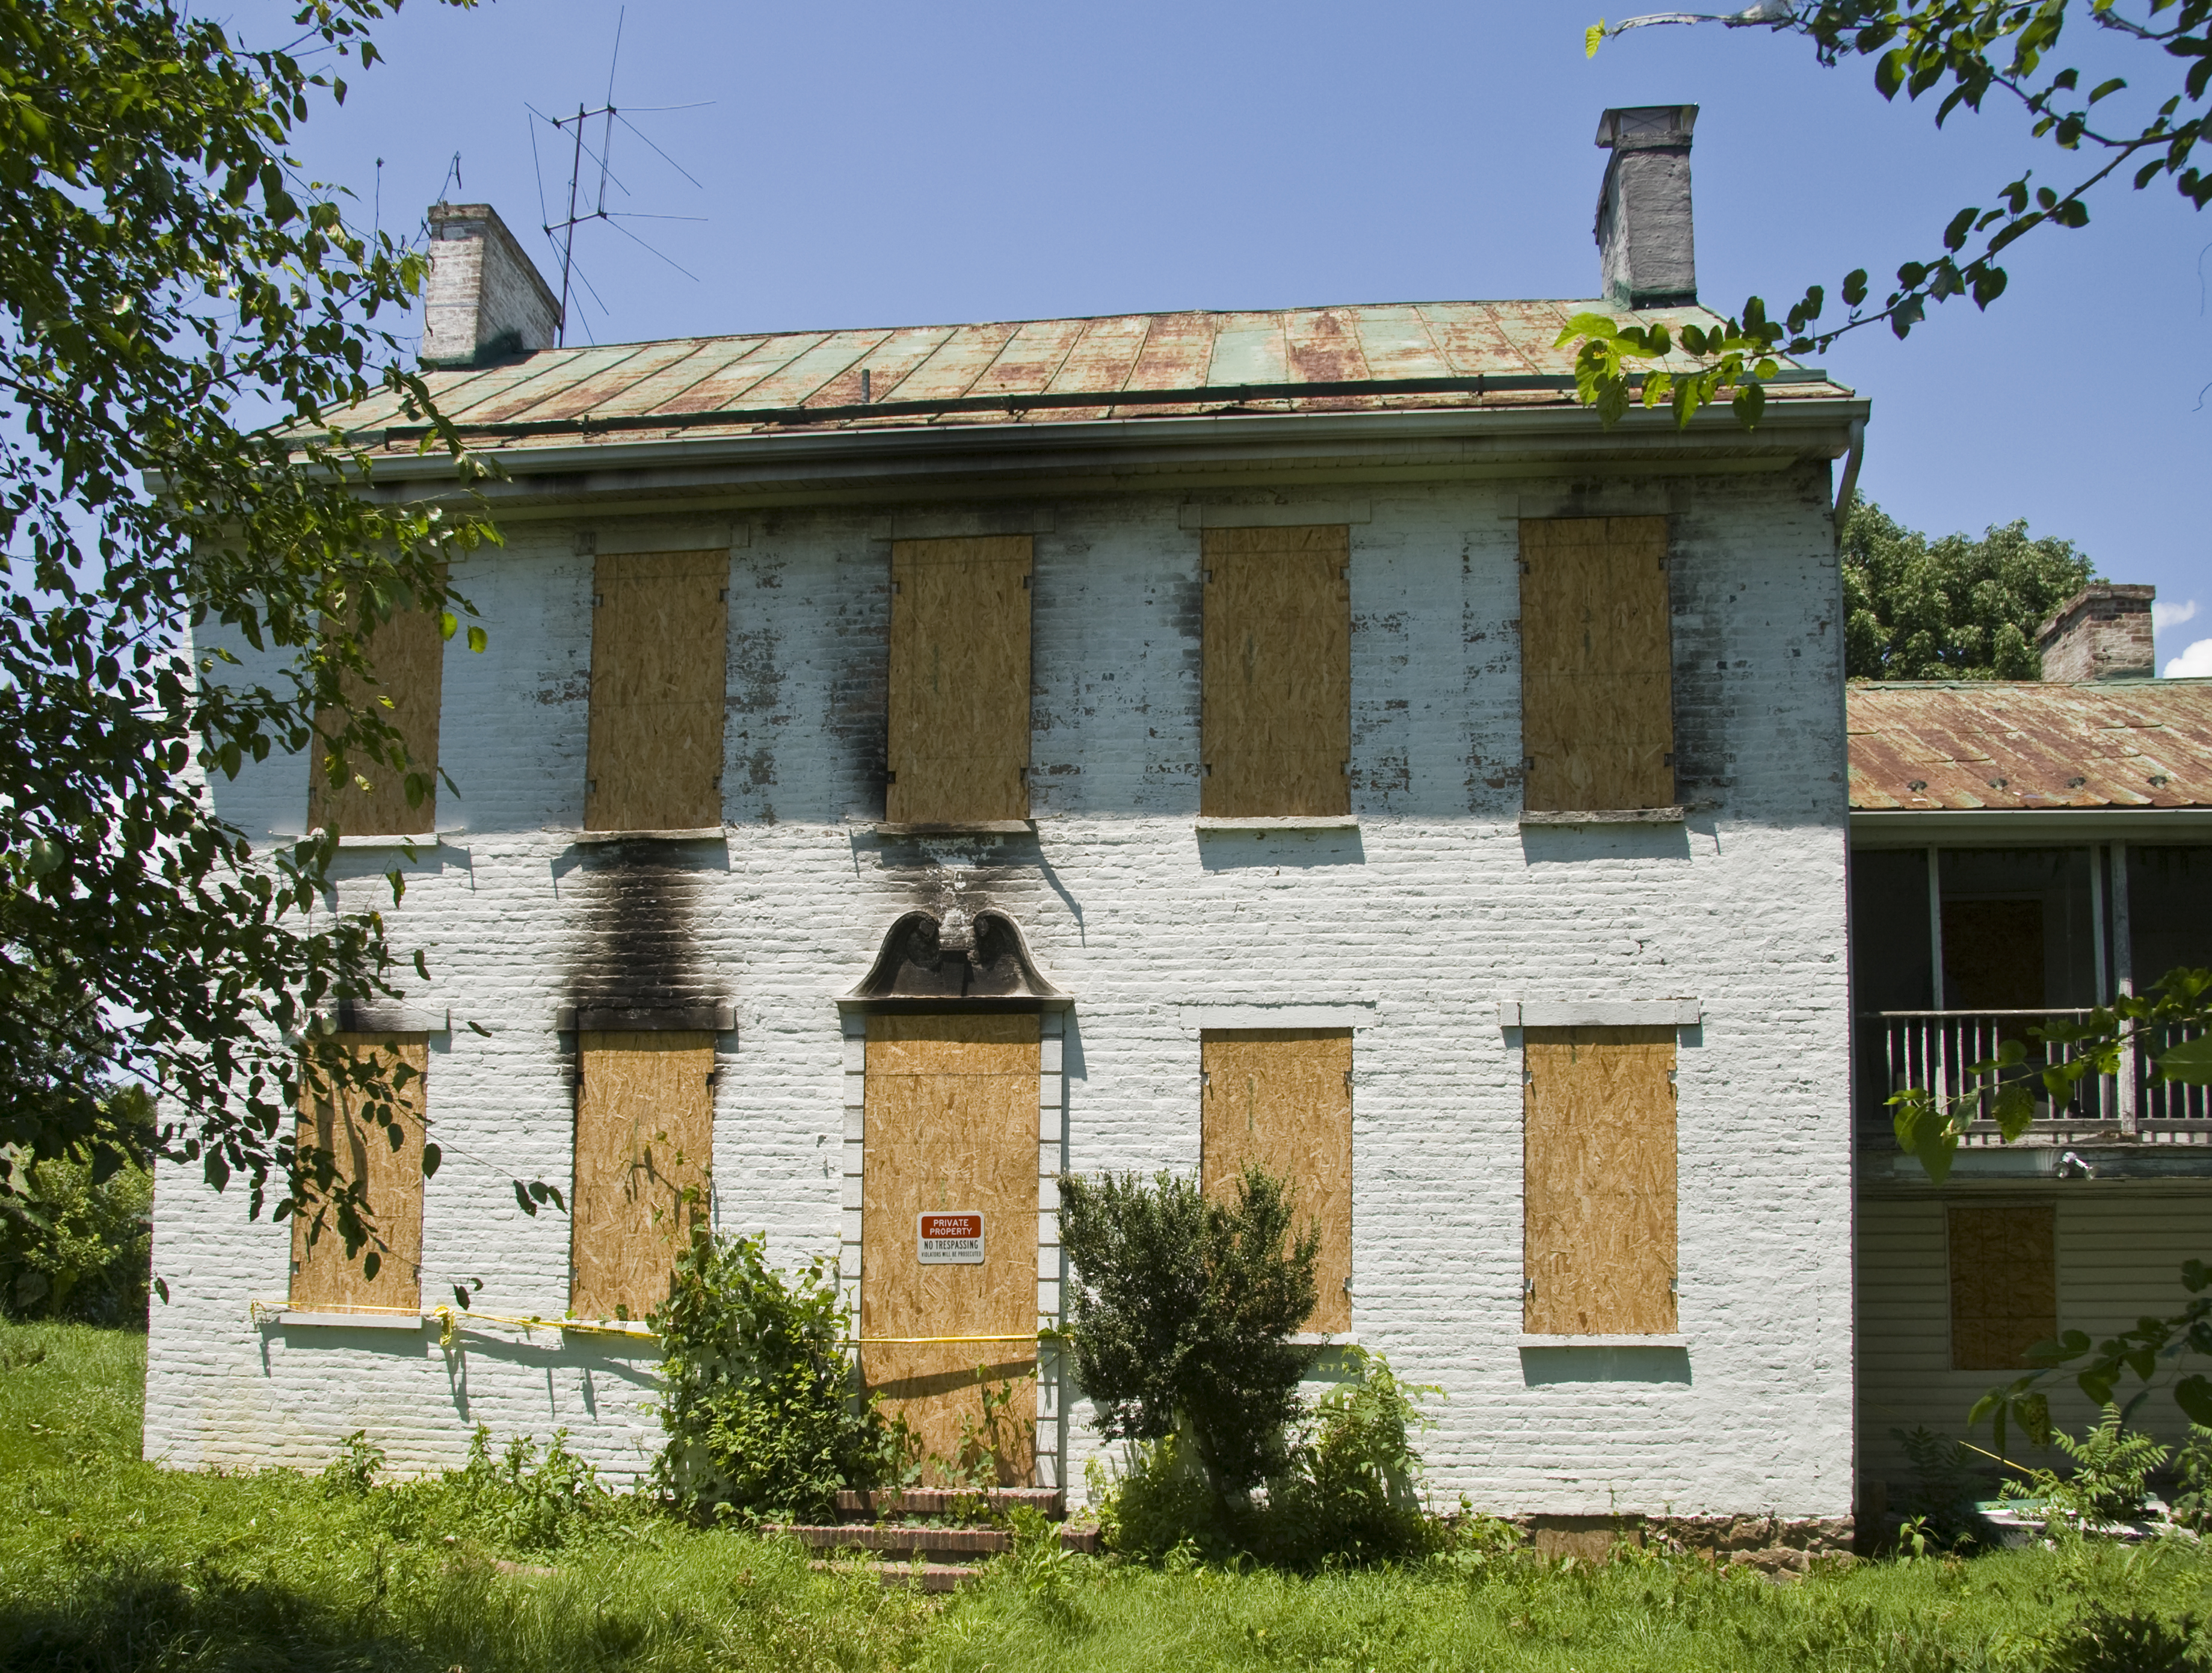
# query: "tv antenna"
[[582, 210]]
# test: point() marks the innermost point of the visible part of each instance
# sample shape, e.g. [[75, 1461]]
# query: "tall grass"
[[106, 1562]]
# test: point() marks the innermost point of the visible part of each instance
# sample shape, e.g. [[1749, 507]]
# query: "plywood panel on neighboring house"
[[1993, 955], [951, 1124], [659, 639], [1598, 1181], [408, 653], [959, 723], [2004, 1284], [1282, 1097], [322, 1274], [645, 1136], [1597, 665], [1275, 695]]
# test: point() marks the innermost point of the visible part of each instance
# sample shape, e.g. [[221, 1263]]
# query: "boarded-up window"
[[659, 634], [408, 653], [1598, 1182], [323, 1274], [1282, 1097], [1596, 671], [951, 1128], [645, 1134], [2004, 1284], [958, 747], [1275, 727]]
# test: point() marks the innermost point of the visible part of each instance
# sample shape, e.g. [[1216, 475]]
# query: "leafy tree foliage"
[[169, 285], [1953, 608], [1970, 50], [75, 1245], [1182, 1312]]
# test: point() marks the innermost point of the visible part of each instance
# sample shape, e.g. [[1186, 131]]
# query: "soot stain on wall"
[[639, 947]]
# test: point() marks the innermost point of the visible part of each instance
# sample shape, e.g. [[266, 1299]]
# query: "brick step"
[[910, 1541], [947, 1501], [929, 1576]]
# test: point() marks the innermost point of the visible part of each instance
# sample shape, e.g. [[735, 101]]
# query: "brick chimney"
[[485, 300], [2102, 632], [1646, 255]]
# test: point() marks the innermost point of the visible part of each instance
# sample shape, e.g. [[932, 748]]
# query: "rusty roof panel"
[[1323, 347], [964, 356], [1104, 355], [595, 391], [1397, 344], [731, 381], [1175, 352], [791, 383], [1032, 357], [2031, 744], [521, 395]]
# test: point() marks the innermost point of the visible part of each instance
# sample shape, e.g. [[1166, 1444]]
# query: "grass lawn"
[[109, 1563]]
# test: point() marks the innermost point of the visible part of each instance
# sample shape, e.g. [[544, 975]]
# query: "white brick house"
[[1478, 873]]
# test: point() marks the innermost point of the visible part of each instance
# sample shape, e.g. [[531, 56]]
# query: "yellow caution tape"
[[451, 1319]]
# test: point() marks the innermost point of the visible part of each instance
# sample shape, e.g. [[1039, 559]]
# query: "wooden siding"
[[1598, 1181], [1596, 669], [1275, 709], [660, 654], [645, 1136], [959, 719]]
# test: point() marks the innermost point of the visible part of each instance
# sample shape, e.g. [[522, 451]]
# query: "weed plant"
[[109, 1563]]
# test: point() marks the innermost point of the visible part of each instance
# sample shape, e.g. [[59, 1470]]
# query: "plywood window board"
[[645, 1136], [951, 1125], [408, 654], [659, 673], [959, 719], [322, 1275], [1282, 1097], [1598, 1180], [1597, 665], [1275, 680], [2004, 1283]]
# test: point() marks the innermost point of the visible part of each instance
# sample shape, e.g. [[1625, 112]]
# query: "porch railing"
[[1935, 1048]]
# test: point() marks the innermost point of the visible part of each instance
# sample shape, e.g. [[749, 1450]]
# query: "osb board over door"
[[322, 1274], [951, 1123], [2004, 1283], [1275, 693], [408, 653], [1282, 1097], [959, 734], [1598, 1181], [645, 1136], [659, 639], [1597, 725]]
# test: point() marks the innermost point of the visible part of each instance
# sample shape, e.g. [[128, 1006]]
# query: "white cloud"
[[2164, 615], [2196, 661]]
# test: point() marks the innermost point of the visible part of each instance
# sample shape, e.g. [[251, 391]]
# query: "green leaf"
[[1592, 38], [476, 639], [2189, 1062], [2014, 1111], [2193, 1394], [448, 624]]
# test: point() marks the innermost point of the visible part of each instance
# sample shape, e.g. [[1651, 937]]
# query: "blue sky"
[[880, 164]]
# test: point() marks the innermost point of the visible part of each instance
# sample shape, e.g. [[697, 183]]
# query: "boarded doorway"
[[952, 1129]]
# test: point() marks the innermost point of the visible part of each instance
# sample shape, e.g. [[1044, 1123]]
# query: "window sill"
[[1324, 1338], [705, 833], [967, 828], [1601, 1341], [420, 839], [1284, 822], [1605, 815], [294, 1318]]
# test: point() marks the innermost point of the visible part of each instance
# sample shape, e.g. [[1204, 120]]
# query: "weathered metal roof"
[[1366, 357], [1969, 744]]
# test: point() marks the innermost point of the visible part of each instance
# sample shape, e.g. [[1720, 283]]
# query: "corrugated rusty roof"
[[1366, 357], [2127, 743]]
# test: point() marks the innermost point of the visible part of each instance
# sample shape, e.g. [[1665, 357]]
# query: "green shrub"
[[1182, 1314], [516, 1501], [759, 1396], [74, 1246], [2192, 1504], [2111, 1482], [1948, 1481], [1348, 1490], [2103, 1639]]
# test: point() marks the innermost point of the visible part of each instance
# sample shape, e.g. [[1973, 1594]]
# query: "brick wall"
[[1437, 908]]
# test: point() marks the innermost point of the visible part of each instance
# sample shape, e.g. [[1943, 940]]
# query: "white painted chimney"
[[1647, 256], [485, 300]]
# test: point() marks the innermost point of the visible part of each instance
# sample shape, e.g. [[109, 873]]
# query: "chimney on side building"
[[1646, 255], [2102, 632], [485, 300]]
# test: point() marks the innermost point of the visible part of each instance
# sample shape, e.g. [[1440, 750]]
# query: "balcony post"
[[2124, 983]]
